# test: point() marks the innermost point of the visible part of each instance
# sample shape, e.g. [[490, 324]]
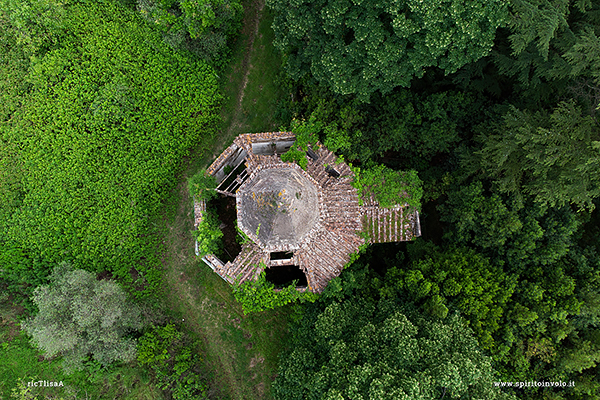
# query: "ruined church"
[[309, 219]]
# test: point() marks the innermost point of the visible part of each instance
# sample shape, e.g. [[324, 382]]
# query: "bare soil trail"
[[240, 352], [251, 22]]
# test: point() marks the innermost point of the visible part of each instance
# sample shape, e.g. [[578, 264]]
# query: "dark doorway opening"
[[281, 255], [286, 274], [225, 208]]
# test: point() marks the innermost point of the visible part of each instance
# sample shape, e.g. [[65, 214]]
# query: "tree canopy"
[[554, 157], [200, 27], [81, 316], [360, 47], [460, 279], [360, 350]]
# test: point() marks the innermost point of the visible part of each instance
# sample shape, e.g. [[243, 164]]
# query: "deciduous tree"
[[202, 26], [360, 47], [359, 350], [461, 280], [81, 316]]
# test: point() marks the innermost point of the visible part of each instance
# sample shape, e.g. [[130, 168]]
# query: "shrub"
[[259, 295], [306, 133], [167, 352], [202, 186], [208, 234], [389, 187]]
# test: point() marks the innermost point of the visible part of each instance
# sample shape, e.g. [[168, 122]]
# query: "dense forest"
[[107, 107]]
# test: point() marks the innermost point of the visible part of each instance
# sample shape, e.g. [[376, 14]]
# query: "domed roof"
[[278, 207]]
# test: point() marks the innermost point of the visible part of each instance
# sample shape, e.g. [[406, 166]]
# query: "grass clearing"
[[254, 107], [259, 106], [240, 351]]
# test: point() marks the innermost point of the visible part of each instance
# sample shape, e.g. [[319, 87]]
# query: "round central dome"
[[278, 207]]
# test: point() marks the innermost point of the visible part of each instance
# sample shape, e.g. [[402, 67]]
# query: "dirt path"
[[252, 17], [253, 26], [232, 341]]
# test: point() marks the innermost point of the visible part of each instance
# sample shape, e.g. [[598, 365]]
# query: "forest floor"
[[239, 351]]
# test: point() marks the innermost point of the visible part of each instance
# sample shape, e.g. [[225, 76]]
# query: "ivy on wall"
[[389, 187], [259, 295]]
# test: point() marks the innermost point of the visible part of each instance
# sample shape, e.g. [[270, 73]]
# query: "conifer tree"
[[554, 157]]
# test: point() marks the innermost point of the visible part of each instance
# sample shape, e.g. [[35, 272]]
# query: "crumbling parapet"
[[320, 250]]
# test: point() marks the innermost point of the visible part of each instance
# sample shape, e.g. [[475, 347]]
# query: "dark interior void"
[[310, 152], [284, 275], [281, 255], [332, 172], [226, 211]]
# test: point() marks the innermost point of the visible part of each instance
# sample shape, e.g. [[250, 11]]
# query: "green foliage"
[[416, 125], [306, 133], [38, 25], [260, 295], [241, 237], [460, 279], [552, 157], [202, 186], [20, 362], [521, 234], [482, 220], [167, 352], [536, 21], [81, 316], [363, 47], [389, 187], [549, 42], [110, 114], [357, 349], [584, 56], [257, 229], [22, 391], [505, 192], [24, 272], [153, 346], [538, 333], [201, 27], [208, 234]]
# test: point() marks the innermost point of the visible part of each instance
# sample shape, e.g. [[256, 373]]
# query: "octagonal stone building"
[[309, 218]]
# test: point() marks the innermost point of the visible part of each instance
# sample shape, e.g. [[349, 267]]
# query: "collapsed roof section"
[[313, 216]]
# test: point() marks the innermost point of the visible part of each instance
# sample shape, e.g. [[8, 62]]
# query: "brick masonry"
[[326, 249]]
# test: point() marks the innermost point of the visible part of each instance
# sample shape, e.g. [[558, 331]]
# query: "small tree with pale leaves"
[[80, 316]]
